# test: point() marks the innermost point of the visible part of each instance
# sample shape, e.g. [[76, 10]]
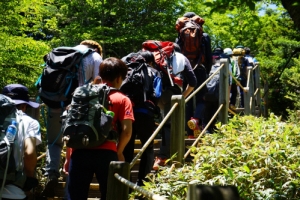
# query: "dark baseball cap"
[[19, 93], [189, 14]]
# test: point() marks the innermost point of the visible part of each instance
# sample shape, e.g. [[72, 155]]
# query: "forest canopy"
[[31, 28]]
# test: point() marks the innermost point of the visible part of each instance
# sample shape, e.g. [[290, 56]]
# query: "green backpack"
[[87, 123]]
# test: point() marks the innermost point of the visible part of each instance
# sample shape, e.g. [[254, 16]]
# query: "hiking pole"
[[153, 136], [6, 168]]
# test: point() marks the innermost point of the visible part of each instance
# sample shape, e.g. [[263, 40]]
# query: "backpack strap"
[[21, 178], [6, 167], [167, 70]]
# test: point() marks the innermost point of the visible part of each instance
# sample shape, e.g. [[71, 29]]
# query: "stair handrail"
[[203, 84], [139, 154], [203, 131], [146, 193]]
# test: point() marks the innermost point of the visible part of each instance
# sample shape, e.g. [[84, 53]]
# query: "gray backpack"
[[87, 123], [9, 172], [213, 85]]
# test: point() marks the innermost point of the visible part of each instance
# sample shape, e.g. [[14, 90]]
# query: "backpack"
[[238, 52], [241, 62], [86, 123], [59, 77], [190, 33], [142, 83], [235, 68], [163, 52], [9, 174], [213, 85]]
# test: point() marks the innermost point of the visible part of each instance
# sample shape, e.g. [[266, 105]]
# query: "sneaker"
[[158, 162], [193, 123], [197, 133], [232, 107], [51, 183]]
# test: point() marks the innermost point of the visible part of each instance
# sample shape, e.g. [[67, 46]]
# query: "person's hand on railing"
[[121, 157]]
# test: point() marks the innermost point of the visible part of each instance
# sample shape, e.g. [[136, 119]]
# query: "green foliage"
[[20, 59], [119, 26], [259, 156]]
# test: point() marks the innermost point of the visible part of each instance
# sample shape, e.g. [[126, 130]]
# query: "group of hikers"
[[99, 107]]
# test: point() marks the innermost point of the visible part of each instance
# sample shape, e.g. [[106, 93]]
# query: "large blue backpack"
[[59, 78]]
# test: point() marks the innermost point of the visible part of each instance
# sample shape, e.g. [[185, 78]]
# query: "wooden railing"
[[252, 101], [118, 185]]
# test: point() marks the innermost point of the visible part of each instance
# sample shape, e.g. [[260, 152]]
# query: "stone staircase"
[[94, 192]]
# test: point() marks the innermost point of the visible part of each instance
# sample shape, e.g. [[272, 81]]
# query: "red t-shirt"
[[122, 107]]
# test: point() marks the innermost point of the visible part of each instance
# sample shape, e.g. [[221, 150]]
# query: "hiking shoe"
[[51, 183], [193, 123], [197, 133], [232, 107], [158, 162]]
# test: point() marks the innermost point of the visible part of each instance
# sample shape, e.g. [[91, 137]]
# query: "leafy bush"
[[259, 156]]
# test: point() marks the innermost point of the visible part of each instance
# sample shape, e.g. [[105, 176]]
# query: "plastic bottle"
[[111, 113], [11, 131]]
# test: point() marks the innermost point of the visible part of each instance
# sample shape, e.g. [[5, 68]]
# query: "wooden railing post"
[[249, 102], [266, 99], [257, 84], [211, 192], [251, 91], [192, 192], [224, 91], [115, 188], [178, 128]]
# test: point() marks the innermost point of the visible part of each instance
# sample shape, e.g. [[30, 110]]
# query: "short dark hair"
[[247, 50], [112, 68]]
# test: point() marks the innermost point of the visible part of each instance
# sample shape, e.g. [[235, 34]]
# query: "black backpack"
[[59, 78], [86, 123], [142, 84], [213, 85]]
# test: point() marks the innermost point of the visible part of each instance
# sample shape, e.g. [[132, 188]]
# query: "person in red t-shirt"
[[84, 163]]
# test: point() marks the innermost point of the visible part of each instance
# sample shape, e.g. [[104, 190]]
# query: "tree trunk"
[[293, 8]]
